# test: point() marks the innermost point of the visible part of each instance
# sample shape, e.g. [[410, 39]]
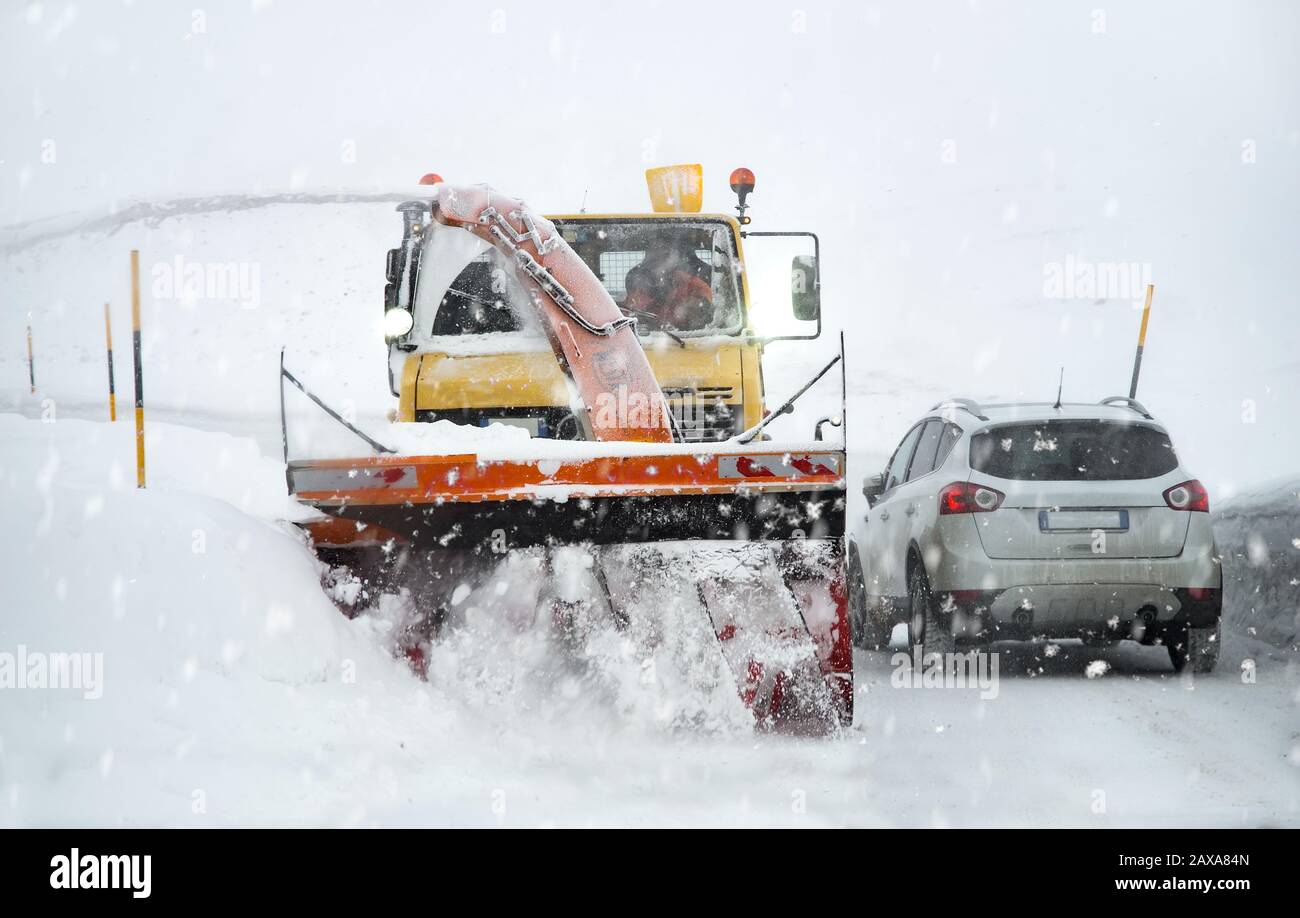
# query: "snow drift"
[[233, 691], [1258, 534]]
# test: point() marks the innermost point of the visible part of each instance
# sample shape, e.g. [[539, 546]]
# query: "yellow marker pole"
[[108, 343], [31, 364], [1142, 340], [139, 385]]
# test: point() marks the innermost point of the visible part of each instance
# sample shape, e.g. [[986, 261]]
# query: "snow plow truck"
[[599, 379]]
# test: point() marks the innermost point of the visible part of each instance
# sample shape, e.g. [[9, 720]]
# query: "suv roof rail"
[[1127, 402], [965, 404]]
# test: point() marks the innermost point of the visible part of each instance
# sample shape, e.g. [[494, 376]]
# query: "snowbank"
[[100, 457], [214, 639], [227, 689]]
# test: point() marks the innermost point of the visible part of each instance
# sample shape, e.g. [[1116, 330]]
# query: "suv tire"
[[923, 614]]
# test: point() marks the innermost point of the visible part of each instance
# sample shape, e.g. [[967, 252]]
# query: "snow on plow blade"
[[774, 596]]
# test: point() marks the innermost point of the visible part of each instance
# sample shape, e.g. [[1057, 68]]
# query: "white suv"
[[1009, 522]]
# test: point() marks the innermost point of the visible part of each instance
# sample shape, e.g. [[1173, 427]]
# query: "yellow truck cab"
[[476, 354]]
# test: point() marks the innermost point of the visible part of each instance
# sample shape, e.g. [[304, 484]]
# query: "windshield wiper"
[[788, 406], [475, 298]]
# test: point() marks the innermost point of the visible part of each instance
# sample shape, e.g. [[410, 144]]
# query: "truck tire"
[[1197, 647]]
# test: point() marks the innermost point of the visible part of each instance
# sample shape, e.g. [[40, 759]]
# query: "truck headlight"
[[397, 322]]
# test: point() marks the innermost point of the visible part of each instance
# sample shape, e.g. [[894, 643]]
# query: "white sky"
[[946, 152]]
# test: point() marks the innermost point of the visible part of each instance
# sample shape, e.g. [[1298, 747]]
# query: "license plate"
[[1082, 520]]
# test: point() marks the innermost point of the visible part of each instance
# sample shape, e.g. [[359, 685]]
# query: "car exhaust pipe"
[[1143, 629]]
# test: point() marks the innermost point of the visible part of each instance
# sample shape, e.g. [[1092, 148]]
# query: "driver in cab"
[[670, 286]]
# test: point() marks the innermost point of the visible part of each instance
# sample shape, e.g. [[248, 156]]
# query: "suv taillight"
[[967, 497], [1190, 495]]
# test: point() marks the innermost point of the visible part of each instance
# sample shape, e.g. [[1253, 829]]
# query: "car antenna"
[[1060, 384], [583, 210]]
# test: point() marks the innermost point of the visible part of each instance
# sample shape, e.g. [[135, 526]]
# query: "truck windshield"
[[485, 297], [1069, 450], [672, 275]]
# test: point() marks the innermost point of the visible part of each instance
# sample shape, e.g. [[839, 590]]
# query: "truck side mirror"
[[392, 269], [805, 288], [872, 487]]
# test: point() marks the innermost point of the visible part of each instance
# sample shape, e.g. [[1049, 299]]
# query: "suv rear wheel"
[[925, 626]]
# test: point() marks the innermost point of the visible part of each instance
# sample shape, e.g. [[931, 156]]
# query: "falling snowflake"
[[1096, 669]]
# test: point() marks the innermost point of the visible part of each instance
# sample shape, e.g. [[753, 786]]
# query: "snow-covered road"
[[1135, 746], [233, 692]]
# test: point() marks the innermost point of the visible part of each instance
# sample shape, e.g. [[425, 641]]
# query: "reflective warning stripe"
[[468, 478], [792, 465], [351, 479]]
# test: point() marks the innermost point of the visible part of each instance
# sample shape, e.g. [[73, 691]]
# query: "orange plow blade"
[[469, 501]]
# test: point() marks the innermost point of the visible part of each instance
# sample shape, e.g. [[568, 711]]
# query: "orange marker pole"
[[139, 383], [108, 343], [1142, 341]]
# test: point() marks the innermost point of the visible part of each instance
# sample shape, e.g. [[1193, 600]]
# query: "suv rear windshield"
[[1068, 450]]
